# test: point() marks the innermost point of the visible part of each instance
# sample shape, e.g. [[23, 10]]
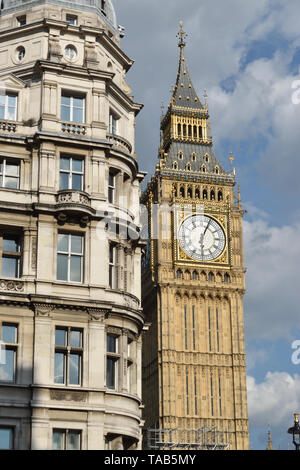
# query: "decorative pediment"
[[11, 82]]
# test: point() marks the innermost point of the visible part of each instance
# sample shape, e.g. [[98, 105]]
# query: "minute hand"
[[206, 228]]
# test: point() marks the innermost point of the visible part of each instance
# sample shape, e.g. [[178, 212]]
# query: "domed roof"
[[104, 8]]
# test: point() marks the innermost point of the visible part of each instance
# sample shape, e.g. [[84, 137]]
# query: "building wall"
[[36, 302]]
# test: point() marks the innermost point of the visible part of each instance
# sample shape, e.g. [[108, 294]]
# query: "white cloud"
[[274, 400]]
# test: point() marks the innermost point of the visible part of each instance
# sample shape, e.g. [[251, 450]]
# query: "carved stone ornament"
[[43, 310], [11, 286], [98, 314]]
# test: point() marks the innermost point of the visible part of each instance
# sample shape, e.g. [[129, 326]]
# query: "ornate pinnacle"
[[181, 35]]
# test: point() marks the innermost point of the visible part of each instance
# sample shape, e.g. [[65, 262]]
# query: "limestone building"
[[194, 376], [70, 310]]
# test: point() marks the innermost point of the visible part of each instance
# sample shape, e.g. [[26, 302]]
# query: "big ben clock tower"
[[194, 374]]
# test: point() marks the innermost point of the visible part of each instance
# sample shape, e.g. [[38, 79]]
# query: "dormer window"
[[180, 155], [72, 19], [21, 20]]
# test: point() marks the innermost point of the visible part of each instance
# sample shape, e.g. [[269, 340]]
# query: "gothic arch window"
[[211, 277], [197, 193], [190, 130], [175, 166], [226, 278], [203, 168], [193, 157], [212, 195], [175, 190], [200, 132], [220, 196], [179, 129], [206, 157], [217, 170], [184, 130], [187, 275], [189, 193], [188, 167], [204, 194], [195, 132], [180, 155], [179, 274], [195, 276], [182, 191]]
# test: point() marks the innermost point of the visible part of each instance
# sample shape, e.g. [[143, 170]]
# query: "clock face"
[[201, 237]]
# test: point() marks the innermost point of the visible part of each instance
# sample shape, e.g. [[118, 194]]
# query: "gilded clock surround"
[[194, 372]]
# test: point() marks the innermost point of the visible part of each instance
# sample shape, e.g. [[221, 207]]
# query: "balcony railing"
[[73, 128], [118, 141], [8, 126], [69, 196]]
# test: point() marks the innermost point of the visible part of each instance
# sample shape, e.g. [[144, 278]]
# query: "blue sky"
[[247, 56]]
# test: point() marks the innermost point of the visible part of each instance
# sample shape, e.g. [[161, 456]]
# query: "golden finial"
[[181, 35]]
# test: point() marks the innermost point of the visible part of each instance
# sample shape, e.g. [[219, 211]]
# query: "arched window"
[[226, 278], [200, 132], [180, 155], [212, 195], [220, 196], [195, 276], [179, 274], [204, 194], [175, 166], [184, 130], [190, 131], [203, 168], [195, 132], [188, 167], [189, 193], [179, 129], [211, 277], [182, 192], [187, 275], [193, 157], [197, 193], [217, 170]]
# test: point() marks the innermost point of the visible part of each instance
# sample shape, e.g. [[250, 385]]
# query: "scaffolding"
[[205, 438]]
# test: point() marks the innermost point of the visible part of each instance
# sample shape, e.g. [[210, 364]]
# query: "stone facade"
[[69, 190]]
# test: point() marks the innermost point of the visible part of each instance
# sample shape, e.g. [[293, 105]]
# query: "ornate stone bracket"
[[98, 314], [43, 310]]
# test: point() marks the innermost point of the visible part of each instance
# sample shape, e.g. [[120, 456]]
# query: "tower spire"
[[181, 35], [270, 443]]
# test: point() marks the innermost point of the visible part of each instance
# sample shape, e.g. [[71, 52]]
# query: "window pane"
[[76, 244], [110, 374], [77, 165], [74, 373], [10, 244], [59, 440], [62, 267], [11, 183], [111, 343], [65, 100], [65, 163], [60, 337], [78, 102], [111, 179], [7, 370], [77, 115], [75, 339], [6, 439], [64, 181], [74, 440], [2, 112], [11, 114], [9, 333], [12, 100], [63, 242], [12, 169], [10, 267], [65, 113], [2, 99], [75, 269], [77, 182], [59, 368]]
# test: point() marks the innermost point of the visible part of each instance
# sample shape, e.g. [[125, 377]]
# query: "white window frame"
[[70, 254], [66, 351], [71, 172], [111, 187], [115, 358], [113, 123], [66, 434], [71, 107], [7, 94], [12, 347], [4, 172], [112, 266]]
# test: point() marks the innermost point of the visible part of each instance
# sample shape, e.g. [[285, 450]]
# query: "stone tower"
[[70, 311], [194, 375]]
